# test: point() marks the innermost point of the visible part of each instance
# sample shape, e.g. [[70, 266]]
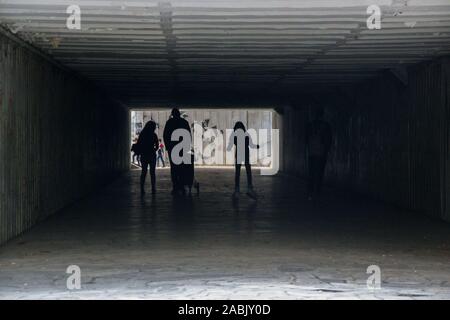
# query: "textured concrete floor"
[[205, 247]]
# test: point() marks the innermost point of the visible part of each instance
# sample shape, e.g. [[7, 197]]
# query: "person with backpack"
[[318, 143], [146, 147]]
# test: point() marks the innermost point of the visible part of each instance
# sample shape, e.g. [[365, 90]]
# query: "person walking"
[[146, 146]]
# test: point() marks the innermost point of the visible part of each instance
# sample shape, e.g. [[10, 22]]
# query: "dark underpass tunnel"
[[347, 129]]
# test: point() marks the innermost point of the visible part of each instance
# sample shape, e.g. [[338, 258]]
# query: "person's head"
[[239, 125], [318, 113], [150, 126], [176, 113]]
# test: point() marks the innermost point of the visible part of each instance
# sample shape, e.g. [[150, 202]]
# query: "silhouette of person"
[[147, 145], [135, 153], [160, 156], [175, 122], [318, 143], [243, 142]]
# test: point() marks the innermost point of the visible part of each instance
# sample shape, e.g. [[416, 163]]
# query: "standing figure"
[[318, 143], [243, 142], [147, 145], [174, 123], [161, 153]]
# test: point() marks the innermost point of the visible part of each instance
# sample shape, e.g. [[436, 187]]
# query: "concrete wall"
[[391, 138], [57, 142]]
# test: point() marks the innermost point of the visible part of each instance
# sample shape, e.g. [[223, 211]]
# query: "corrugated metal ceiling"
[[149, 50]]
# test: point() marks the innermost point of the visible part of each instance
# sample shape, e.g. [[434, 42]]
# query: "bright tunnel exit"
[[211, 130]]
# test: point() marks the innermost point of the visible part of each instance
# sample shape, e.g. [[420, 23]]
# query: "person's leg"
[[173, 176], [153, 173], [143, 174], [237, 177], [181, 178], [176, 177], [250, 192], [248, 170]]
